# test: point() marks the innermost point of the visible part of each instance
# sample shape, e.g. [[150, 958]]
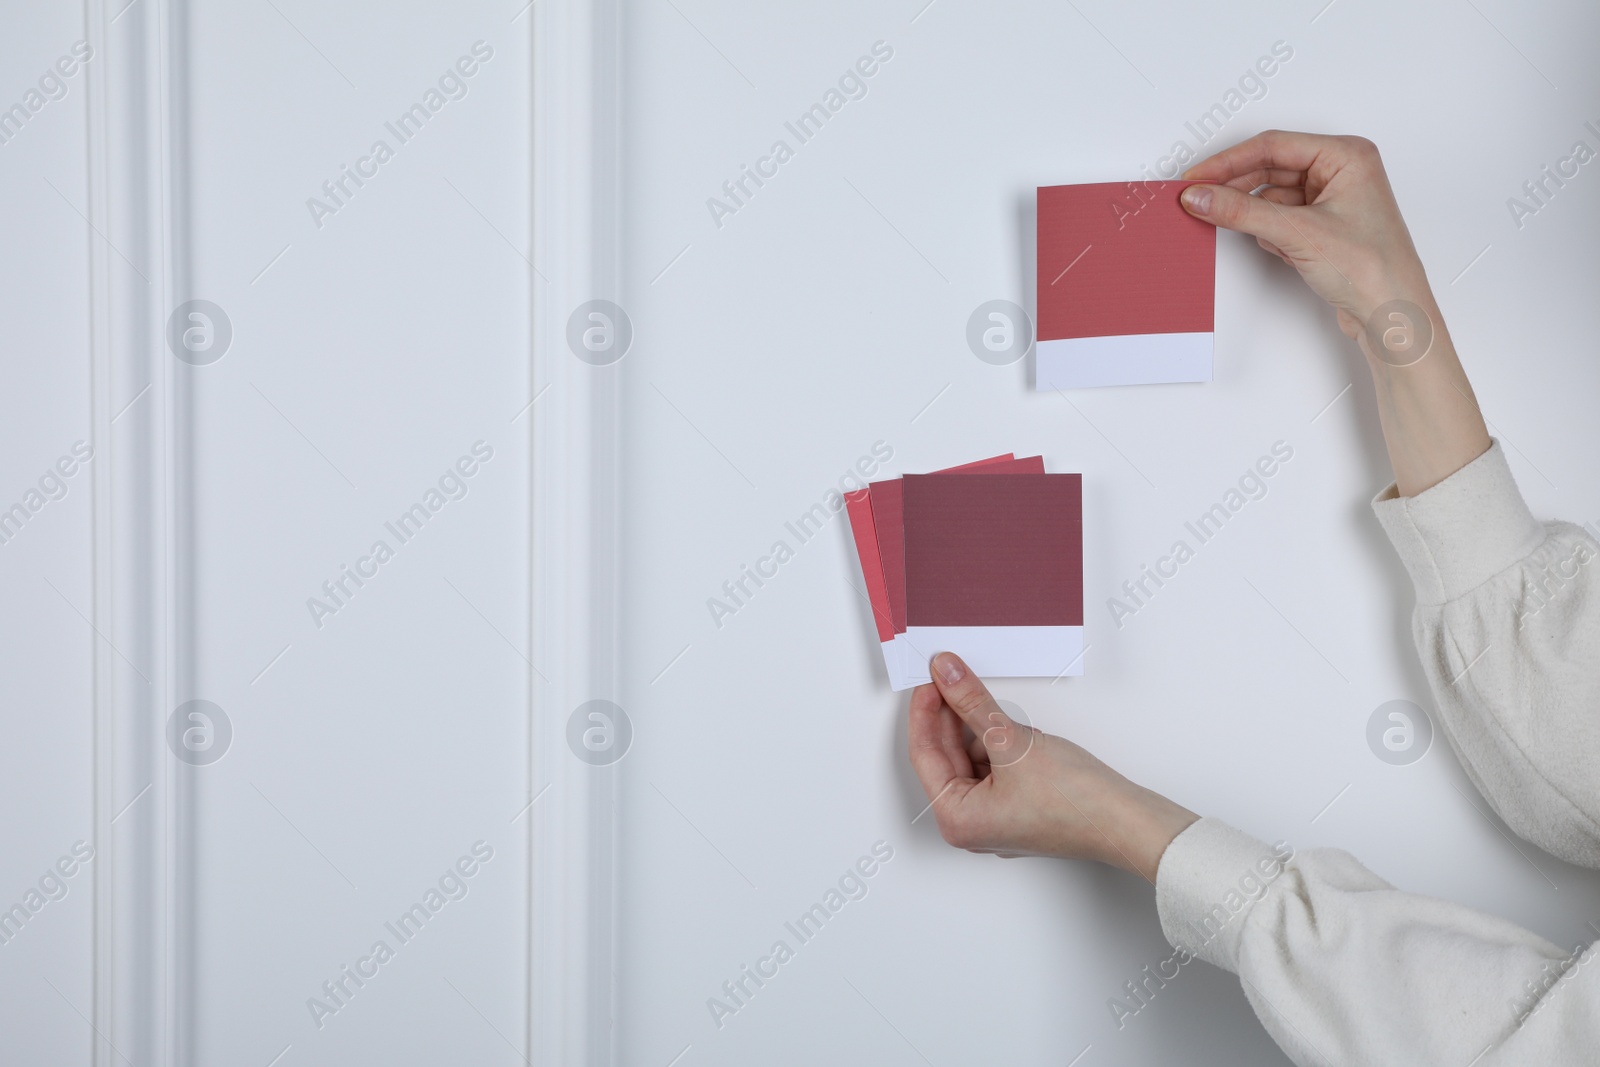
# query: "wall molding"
[[138, 259], [575, 500], [138, 197]]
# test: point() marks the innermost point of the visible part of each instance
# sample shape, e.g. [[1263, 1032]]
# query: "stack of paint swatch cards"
[[984, 560]]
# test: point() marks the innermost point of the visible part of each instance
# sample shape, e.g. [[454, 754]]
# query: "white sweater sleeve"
[[1341, 967], [1508, 627]]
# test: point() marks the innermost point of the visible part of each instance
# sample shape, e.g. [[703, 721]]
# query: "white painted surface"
[[770, 353], [371, 747], [828, 313], [46, 647], [381, 348]]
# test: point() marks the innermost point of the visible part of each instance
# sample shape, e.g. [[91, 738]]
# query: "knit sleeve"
[[1507, 624], [1342, 968]]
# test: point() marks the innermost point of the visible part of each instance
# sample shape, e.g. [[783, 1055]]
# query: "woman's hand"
[[1326, 208], [1001, 787]]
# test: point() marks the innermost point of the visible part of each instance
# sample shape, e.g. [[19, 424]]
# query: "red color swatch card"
[[994, 573], [1126, 286]]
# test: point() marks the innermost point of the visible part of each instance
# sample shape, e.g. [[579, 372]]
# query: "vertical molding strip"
[[141, 875], [575, 505], [144, 665]]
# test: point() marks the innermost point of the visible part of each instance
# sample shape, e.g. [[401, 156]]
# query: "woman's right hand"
[[1326, 208]]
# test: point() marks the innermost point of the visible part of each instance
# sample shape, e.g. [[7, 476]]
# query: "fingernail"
[[949, 667], [1198, 198]]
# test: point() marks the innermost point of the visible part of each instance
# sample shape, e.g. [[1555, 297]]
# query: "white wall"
[[380, 349], [770, 353], [373, 748], [829, 311], [46, 653]]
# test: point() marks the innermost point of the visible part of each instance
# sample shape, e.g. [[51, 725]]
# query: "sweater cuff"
[[1208, 879], [1457, 535]]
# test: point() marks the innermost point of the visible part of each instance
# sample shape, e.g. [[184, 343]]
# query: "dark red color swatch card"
[[887, 514], [993, 550], [864, 528]]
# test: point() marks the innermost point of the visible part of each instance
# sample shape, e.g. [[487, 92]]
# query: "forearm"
[[1430, 417], [1139, 827]]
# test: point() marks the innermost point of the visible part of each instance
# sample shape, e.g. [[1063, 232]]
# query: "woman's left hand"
[[1008, 789]]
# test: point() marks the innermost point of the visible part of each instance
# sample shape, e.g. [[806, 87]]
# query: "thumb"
[[1001, 736], [1234, 210]]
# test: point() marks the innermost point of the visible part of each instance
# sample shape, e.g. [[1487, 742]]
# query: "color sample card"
[[886, 594], [990, 569], [1126, 283], [994, 572], [887, 512]]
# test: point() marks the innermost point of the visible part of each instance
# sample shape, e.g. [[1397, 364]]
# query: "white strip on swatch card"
[[892, 660], [1131, 359], [911, 656], [899, 657], [991, 651]]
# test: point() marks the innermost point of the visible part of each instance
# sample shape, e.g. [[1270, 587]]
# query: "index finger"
[[1270, 149]]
